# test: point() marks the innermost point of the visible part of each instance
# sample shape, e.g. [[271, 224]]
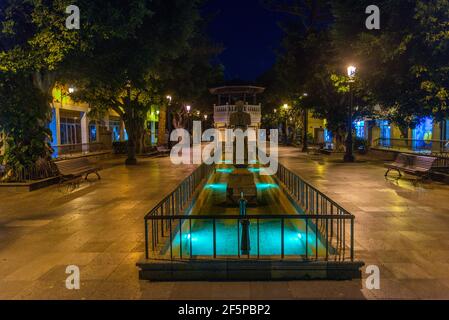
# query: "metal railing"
[[177, 200], [433, 148], [172, 237], [422, 146], [328, 229], [335, 220], [70, 150]]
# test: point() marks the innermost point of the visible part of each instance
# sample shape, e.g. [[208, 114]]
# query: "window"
[[385, 133], [114, 126], [327, 136], [423, 134], [92, 131], [70, 130], [360, 129]]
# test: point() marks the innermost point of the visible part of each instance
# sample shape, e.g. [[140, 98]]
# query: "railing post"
[[258, 240], [316, 239], [180, 239], [352, 238], [215, 239], [327, 239], [238, 237], [190, 237], [146, 239], [282, 237], [307, 239], [171, 248]]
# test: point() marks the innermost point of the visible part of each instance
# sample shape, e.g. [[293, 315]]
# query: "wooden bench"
[[76, 168], [420, 166]]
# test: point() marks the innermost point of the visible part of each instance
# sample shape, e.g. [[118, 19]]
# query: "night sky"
[[249, 34]]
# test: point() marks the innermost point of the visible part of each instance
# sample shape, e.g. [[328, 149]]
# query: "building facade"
[[73, 131]]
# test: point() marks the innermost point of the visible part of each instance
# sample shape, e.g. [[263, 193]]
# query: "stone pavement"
[[99, 227]]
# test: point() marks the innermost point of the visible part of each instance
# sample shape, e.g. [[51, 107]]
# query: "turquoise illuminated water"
[[197, 239], [270, 239]]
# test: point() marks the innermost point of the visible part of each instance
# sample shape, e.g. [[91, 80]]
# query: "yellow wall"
[[315, 123]]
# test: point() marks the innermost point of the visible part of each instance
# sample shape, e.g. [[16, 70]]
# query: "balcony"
[[223, 113]]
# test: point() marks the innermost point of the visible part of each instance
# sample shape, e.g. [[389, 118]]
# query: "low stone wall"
[[247, 270], [28, 186]]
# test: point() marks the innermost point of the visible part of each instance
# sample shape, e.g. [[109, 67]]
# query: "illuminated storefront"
[[360, 129], [385, 132], [423, 134]]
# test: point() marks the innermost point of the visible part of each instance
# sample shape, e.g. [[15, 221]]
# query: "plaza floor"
[[400, 227]]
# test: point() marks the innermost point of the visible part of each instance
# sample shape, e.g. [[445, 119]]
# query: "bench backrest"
[[69, 166], [402, 159], [423, 162]]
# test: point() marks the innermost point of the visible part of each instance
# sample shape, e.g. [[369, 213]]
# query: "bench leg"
[[96, 172], [386, 173]]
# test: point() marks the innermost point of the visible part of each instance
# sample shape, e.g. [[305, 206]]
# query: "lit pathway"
[[99, 227], [401, 228]]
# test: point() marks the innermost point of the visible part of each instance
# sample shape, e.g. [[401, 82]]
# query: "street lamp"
[[351, 72], [71, 90], [305, 145], [349, 154], [188, 108], [286, 107]]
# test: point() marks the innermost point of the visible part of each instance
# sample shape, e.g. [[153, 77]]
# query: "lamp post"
[[169, 120], [131, 160], [349, 155], [305, 145], [188, 108], [286, 107]]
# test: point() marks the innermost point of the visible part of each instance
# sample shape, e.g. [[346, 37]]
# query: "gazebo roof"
[[236, 90]]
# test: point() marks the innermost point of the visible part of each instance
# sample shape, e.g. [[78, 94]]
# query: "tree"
[[129, 71], [36, 47], [191, 75], [23, 118], [403, 66]]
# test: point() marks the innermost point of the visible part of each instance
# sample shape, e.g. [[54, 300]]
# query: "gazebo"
[[228, 96]]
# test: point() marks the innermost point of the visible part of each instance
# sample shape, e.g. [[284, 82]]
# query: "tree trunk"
[[162, 126], [305, 144], [132, 129], [132, 141], [404, 135]]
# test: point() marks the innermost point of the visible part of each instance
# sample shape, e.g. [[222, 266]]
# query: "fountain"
[[241, 180], [204, 230]]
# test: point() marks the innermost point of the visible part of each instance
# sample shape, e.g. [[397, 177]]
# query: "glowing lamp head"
[[71, 90], [188, 108], [285, 106], [351, 71]]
